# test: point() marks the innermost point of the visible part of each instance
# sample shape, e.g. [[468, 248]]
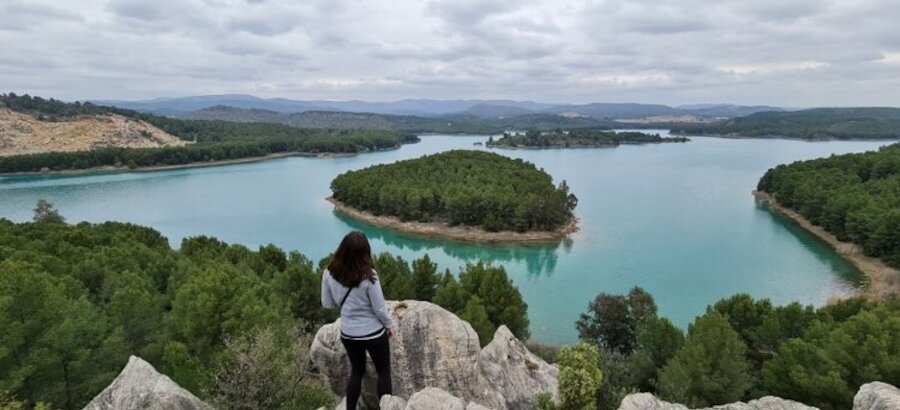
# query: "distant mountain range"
[[487, 109], [468, 122]]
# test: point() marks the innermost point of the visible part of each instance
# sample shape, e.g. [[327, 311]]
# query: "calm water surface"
[[676, 219]]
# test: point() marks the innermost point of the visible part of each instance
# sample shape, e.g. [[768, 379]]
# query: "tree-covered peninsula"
[[855, 197], [577, 139], [472, 188], [209, 141], [812, 124]]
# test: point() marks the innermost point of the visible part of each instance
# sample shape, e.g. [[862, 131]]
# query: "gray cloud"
[[786, 52]]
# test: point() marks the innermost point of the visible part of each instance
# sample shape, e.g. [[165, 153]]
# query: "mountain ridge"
[[432, 107]]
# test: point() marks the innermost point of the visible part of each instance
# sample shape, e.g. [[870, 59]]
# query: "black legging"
[[380, 351]]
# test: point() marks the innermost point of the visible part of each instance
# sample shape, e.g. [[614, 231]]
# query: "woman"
[[350, 283]]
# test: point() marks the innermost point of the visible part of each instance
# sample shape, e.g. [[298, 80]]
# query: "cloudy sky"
[[780, 52]]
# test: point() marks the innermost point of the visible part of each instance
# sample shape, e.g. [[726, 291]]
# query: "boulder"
[[515, 372], [432, 347], [877, 396], [392, 403], [140, 387], [646, 401], [432, 398]]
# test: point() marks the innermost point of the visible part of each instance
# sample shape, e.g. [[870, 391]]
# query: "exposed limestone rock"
[[392, 403], [140, 387], [475, 406], [434, 399], [434, 348], [646, 401], [877, 396], [515, 372], [22, 133]]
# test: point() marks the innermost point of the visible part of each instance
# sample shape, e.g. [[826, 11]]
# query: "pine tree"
[[475, 314], [657, 341], [425, 278], [710, 368], [45, 212]]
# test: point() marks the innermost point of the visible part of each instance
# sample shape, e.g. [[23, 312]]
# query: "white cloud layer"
[[782, 52]]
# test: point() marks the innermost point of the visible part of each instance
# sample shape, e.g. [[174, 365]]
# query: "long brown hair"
[[352, 261]]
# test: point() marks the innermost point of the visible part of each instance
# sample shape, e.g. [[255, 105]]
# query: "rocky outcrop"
[[22, 133], [140, 387], [432, 348], [392, 403], [515, 372], [429, 398], [646, 401], [871, 396], [877, 396]]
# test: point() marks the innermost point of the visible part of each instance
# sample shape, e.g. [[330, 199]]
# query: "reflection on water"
[[849, 275], [539, 258]]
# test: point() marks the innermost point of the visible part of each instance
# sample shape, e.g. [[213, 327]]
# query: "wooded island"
[[577, 139], [474, 189]]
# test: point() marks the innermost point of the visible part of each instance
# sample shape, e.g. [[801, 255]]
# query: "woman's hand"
[[390, 334]]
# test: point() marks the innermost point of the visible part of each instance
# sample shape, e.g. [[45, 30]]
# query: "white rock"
[[392, 403], [432, 398], [475, 406], [517, 374], [434, 348], [140, 387], [646, 401], [877, 396]]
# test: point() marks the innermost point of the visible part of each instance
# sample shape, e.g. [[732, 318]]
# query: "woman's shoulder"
[[370, 282]]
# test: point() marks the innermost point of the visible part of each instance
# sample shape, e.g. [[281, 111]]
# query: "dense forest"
[[856, 197], [742, 348], [77, 300], [813, 124], [214, 140], [577, 139], [473, 188]]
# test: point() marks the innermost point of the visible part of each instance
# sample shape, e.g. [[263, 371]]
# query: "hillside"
[[435, 108], [813, 124], [346, 120], [23, 133], [51, 135], [488, 122]]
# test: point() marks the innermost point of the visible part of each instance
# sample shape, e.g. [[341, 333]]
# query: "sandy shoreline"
[[155, 168], [455, 232], [881, 279]]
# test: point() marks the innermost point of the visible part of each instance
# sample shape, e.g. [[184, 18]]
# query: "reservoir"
[[675, 219]]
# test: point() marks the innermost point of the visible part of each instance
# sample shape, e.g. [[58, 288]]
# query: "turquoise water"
[[676, 219]]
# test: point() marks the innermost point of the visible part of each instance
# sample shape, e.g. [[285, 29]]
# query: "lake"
[[675, 219]]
